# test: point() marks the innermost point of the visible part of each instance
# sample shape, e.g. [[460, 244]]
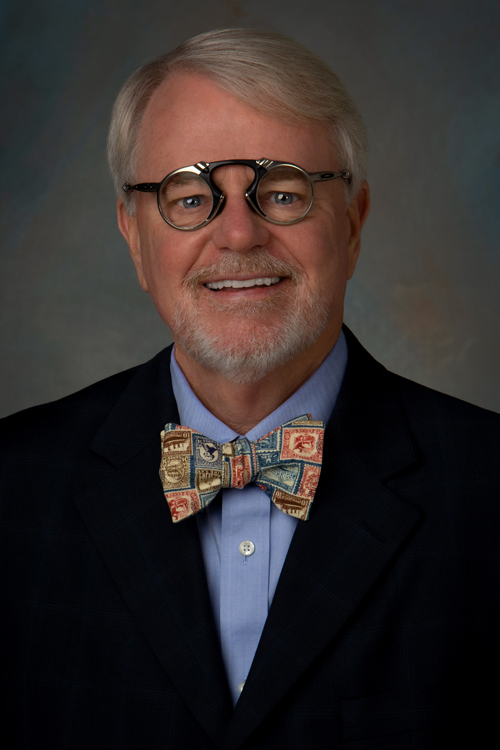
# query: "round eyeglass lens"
[[185, 200], [284, 194]]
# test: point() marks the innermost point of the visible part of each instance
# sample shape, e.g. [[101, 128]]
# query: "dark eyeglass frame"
[[260, 167]]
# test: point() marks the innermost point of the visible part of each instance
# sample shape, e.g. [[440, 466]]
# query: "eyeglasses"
[[282, 193]]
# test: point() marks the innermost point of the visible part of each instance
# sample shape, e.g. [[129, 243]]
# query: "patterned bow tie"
[[286, 464]]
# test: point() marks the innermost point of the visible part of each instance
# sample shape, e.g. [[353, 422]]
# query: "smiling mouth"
[[243, 283]]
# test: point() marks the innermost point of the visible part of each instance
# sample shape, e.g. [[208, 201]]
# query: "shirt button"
[[241, 686], [247, 548]]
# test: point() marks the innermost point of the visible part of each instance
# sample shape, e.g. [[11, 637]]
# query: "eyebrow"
[[184, 178], [281, 174]]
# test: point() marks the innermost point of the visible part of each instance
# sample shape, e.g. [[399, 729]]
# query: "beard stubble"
[[278, 329]]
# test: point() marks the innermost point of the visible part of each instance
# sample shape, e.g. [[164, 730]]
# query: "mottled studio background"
[[426, 75]]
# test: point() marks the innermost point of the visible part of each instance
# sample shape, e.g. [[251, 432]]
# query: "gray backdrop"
[[425, 296]]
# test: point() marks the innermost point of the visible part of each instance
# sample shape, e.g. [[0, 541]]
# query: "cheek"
[[159, 258], [155, 243], [326, 257], [166, 262]]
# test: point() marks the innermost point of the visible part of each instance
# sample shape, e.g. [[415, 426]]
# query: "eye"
[[282, 199], [284, 194], [191, 201]]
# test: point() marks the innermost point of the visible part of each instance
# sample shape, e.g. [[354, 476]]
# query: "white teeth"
[[238, 283]]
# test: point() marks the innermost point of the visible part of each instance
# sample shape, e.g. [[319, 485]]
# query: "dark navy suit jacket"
[[384, 629]]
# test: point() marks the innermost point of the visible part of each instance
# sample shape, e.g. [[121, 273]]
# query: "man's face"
[[305, 265]]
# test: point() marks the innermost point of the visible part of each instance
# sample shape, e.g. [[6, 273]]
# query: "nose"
[[238, 227]]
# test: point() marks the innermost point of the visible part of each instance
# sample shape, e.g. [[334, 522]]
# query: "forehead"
[[190, 119]]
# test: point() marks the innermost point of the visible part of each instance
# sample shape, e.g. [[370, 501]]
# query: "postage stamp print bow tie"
[[286, 464]]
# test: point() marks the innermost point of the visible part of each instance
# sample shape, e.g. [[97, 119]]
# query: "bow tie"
[[285, 463]]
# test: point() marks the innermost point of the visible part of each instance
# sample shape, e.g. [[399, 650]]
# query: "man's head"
[[243, 95]]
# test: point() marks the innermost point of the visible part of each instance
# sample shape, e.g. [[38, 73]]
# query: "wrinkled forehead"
[[190, 119]]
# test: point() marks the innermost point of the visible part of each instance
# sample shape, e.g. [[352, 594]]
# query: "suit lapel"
[[356, 528], [156, 565]]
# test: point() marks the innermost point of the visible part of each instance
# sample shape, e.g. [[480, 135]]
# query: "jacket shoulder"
[[95, 401], [428, 403], [366, 375], [81, 412], [459, 437], [375, 403]]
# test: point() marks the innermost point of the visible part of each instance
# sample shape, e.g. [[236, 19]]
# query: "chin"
[[245, 348]]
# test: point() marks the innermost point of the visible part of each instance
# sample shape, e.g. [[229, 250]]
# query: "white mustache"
[[254, 261]]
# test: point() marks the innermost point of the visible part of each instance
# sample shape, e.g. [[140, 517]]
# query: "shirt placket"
[[244, 592]]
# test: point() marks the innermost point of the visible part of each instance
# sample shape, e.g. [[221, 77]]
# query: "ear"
[[128, 227], [356, 214]]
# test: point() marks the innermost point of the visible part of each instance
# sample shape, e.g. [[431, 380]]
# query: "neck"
[[242, 406]]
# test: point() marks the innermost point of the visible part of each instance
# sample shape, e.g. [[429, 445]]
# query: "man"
[[154, 595]]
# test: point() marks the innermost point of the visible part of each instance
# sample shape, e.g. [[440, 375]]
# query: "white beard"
[[301, 314]]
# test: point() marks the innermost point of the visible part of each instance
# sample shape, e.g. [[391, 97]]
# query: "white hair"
[[271, 73]]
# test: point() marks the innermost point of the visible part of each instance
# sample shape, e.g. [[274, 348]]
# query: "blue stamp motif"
[[268, 459], [207, 453], [242, 447], [283, 477], [269, 443]]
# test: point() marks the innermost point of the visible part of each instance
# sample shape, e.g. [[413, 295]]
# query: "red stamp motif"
[[182, 504], [302, 442], [294, 506], [241, 471], [309, 481]]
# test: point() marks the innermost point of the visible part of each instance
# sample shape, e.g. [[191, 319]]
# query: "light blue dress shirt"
[[241, 585]]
